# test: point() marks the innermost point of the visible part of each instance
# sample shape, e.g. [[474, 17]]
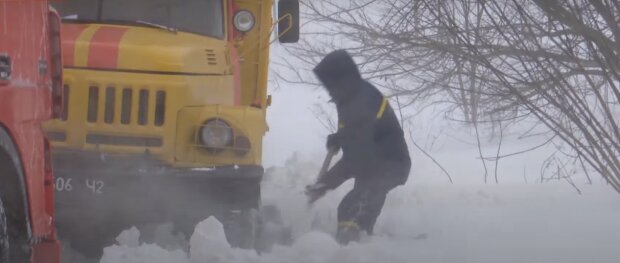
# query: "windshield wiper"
[[167, 28], [76, 19]]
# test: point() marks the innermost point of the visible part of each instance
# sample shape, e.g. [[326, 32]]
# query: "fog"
[[421, 222], [528, 216], [521, 212], [521, 219]]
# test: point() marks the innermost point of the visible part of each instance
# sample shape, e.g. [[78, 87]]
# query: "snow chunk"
[[129, 238], [209, 244]]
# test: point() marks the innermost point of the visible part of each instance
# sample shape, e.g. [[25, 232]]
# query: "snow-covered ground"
[[519, 220], [421, 222]]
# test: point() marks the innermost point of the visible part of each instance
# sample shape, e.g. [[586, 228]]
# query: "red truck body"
[[30, 93]]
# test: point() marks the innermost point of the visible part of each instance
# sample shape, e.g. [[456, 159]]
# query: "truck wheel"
[[15, 202], [241, 227], [4, 236], [272, 229]]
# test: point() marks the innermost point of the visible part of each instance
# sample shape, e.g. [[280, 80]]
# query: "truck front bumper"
[[106, 190]]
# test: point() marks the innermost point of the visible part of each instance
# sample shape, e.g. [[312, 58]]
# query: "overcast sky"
[[295, 129]]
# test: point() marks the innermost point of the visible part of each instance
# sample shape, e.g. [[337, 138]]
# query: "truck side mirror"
[[288, 17]]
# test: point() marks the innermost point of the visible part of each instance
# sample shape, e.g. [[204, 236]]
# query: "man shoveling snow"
[[373, 145]]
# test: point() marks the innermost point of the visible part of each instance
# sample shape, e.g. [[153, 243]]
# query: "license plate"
[[63, 184]]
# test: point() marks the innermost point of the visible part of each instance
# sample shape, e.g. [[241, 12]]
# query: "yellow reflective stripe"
[[82, 46], [384, 104], [382, 109], [348, 224]]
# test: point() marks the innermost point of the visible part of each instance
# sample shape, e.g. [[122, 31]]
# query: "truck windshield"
[[203, 17]]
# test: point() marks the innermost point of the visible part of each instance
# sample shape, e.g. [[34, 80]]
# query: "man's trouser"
[[362, 205]]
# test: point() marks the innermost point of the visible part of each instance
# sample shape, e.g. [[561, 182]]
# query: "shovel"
[[326, 163]]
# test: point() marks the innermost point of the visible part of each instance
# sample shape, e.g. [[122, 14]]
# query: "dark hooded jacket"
[[372, 141]]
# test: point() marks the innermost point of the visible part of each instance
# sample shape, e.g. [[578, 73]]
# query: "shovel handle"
[[328, 160], [323, 172]]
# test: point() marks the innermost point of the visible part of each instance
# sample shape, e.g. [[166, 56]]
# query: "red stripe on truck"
[[104, 46], [70, 34]]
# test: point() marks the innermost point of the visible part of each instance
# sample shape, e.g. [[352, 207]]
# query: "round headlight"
[[243, 20], [216, 134]]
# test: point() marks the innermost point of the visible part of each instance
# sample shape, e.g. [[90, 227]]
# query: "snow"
[[512, 222], [129, 238], [146, 253], [129, 249], [523, 219]]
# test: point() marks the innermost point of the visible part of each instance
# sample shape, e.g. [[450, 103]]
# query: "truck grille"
[[126, 106], [143, 107], [93, 103], [122, 106], [160, 108], [156, 116], [123, 140], [110, 99]]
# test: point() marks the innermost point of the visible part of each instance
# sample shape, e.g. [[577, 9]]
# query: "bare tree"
[[498, 62]]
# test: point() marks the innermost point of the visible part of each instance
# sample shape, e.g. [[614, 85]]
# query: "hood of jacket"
[[339, 74]]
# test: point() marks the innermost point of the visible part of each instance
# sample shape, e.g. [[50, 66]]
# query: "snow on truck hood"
[[141, 49]]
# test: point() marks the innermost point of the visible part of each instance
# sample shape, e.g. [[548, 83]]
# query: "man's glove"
[[333, 142], [315, 191]]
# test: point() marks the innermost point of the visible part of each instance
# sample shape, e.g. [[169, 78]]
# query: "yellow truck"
[[164, 114]]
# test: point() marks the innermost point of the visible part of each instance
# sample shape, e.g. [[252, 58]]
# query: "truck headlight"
[[216, 134], [244, 20]]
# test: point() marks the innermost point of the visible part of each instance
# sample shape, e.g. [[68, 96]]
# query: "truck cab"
[[165, 113], [30, 93]]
